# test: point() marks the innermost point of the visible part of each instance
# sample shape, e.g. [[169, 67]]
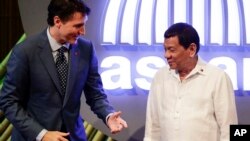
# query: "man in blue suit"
[[33, 97]]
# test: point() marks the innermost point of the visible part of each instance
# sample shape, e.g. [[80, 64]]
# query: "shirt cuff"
[[41, 134], [107, 117]]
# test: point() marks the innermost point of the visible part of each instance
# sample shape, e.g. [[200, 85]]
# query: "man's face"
[[177, 56], [70, 30]]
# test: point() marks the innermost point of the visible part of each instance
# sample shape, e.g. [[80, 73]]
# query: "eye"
[[79, 26], [170, 49]]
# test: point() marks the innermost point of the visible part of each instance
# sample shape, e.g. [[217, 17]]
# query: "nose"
[[82, 30], [167, 55]]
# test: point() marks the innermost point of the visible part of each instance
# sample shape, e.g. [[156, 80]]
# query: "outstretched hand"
[[116, 123]]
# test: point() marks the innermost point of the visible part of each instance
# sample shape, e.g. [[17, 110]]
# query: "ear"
[[57, 22], [192, 48]]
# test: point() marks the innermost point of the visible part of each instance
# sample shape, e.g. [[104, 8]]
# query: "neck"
[[55, 34], [187, 68], [184, 73]]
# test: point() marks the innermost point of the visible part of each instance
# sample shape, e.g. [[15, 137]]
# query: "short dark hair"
[[65, 9], [185, 33]]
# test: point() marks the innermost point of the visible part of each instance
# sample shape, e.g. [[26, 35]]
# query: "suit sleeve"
[[94, 92], [15, 95]]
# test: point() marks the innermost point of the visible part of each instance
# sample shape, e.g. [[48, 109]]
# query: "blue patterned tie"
[[62, 68]]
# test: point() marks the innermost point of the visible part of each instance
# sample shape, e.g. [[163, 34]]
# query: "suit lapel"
[[48, 60]]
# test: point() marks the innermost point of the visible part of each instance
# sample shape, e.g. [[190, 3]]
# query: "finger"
[[124, 123], [63, 139], [114, 128], [117, 128], [117, 114], [112, 131], [64, 134], [115, 131]]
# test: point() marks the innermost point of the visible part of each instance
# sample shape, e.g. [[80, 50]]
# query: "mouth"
[[170, 62]]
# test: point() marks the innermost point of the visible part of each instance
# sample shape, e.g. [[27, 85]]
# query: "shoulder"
[[85, 45], [216, 73], [162, 73], [34, 40], [212, 69], [84, 41], [30, 46]]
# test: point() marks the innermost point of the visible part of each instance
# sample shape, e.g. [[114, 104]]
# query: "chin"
[[72, 41], [172, 67]]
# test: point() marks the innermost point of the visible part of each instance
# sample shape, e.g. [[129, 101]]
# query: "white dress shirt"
[[199, 108]]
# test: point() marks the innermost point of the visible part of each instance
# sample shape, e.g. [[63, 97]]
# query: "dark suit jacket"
[[31, 97]]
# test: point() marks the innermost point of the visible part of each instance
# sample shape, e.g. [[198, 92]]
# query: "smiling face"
[[70, 30], [177, 56]]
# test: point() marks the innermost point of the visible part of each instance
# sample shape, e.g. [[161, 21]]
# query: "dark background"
[[11, 28]]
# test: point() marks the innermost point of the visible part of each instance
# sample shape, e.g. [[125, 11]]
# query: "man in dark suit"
[[40, 101]]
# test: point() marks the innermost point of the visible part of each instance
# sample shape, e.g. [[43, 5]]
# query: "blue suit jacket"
[[31, 97]]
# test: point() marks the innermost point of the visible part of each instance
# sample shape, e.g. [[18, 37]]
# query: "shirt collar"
[[198, 69], [54, 44]]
